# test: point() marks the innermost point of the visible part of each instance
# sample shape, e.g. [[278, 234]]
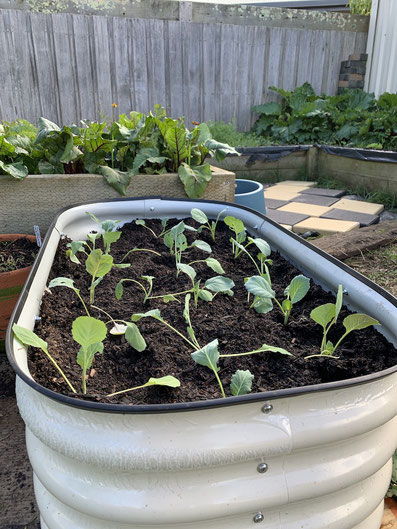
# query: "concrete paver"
[[321, 225], [318, 200], [285, 217], [343, 214], [304, 183], [324, 192], [310, 210], [274, 204], [359, 206], [280, 193]]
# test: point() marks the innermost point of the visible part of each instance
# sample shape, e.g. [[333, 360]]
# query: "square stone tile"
[[274, 204], [343, 214], [296, 188], [280, 193], [325, 192], [322, 225], [310, 210], [305, 183], [359, 206], [318, 200], [284, 217]]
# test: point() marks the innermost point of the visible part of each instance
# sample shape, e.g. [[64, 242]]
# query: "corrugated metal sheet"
[[381, 73]]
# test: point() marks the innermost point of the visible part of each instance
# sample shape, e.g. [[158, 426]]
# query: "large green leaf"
[[262, 245], [258, 286], [234, 224], [155, 313], [208, 356], [44, 127], [323, 314], [199, 216], [168, 380], [194, 179], [98, 264], [219, 284], [135, 338], [298, 288], [17, 170], [175, 136], [119, 180], [241, 382], [215, 265], [187, 269], [147, 155], [27, 337], [356, 322], [87, 331], [85, 356]]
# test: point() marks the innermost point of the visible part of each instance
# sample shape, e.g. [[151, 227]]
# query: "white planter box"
[[196, 465]]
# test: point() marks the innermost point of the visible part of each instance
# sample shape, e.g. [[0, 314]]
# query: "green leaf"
[[155, 313], [323, 314], [271, 349], [116, 179], [147, 155], [219, 284], [241, 382], [27, 337], [169, 297], [199, 216], [263, 305], [87, 331], [119, 291], [338, 304], [234, 224], [208, 356], [98, 264], [17, 170], [356, 322], [168, 380], [85, 356], [215, 265], [135, 338], [258, 286], [187, 269], [202, 245], [297, 289], [205, 295], [287, 305], [44, 127], [268, 109], [262, 246], [110, 237], [62, 282], [194, 179]]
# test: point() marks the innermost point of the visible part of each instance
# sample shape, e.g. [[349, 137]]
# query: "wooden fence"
[[68, 67]]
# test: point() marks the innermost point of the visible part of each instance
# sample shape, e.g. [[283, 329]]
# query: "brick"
[[356, 84], [318, 200], [280, 193], [324, 192], [321, 225], [298, 183], [310, 210], [271, 203], [285, 217], [343, 84], [343, 214], [359, 206]]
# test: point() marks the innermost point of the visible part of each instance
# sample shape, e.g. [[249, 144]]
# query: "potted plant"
[[17, 253], [48, 168], [317, 455]]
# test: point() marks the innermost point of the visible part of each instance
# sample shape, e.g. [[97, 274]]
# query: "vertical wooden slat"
[[174, 70], [155, 62], [139, 52], [122, 74]]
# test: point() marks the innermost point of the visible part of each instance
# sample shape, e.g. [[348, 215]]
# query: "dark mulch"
[[17, 254], [229, 319]]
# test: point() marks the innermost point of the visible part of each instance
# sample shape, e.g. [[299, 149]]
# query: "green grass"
[[227, 133], [387, 198]]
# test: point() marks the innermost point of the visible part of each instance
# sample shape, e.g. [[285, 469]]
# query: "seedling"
[[138, 250], [168, 380], [264, 294], [148, 291], [241, 382], [327, 315], [27, 337], [186, 315], [264, 252], [238, 227], [176, 241], [109, 236], [200, 217], [212, 263], [208, 356], [97, 265], [164, 222], [89, 333]]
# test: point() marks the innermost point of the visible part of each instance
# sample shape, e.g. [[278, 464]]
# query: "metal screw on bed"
[[151, 208], [345, 292], [262, 468], [258, 517], [267, 408], [37, 318]]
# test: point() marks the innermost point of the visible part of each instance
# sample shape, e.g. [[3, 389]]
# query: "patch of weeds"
[[228, 133]]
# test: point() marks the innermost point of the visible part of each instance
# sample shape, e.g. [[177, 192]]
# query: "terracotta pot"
[[11, 284]]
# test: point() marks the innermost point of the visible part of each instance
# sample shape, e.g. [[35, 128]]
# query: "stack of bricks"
[[352, 72]]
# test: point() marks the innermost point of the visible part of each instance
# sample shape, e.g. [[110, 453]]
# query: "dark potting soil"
[[17, 254], [229, 319]]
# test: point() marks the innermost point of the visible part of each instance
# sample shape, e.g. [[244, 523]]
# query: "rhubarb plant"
[[264, 295], [327, 315]]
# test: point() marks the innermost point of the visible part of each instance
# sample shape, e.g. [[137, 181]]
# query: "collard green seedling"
[[241, 382], [262, 256], [148, 291], [98, 264], [168, 381], [264, 295], [176, 241], [108, 227], [200, 217], [212, 263], [237, 226], [327, 315], [69, 283], [89, 333], [27, 337], [208, 356]]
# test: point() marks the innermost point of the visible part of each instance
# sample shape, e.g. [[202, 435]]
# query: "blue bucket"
[[249, 193]]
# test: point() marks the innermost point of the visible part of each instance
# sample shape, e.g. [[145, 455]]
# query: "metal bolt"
[[37, 318], [258, 517], [151, 208], [267, 408], [345, 292], [256, 227], [262, 468]]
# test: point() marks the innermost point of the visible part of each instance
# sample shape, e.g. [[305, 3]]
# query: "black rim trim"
[[187, 406]]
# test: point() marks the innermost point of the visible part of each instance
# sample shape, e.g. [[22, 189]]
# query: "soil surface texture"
[[229, 319], [17, 254]]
